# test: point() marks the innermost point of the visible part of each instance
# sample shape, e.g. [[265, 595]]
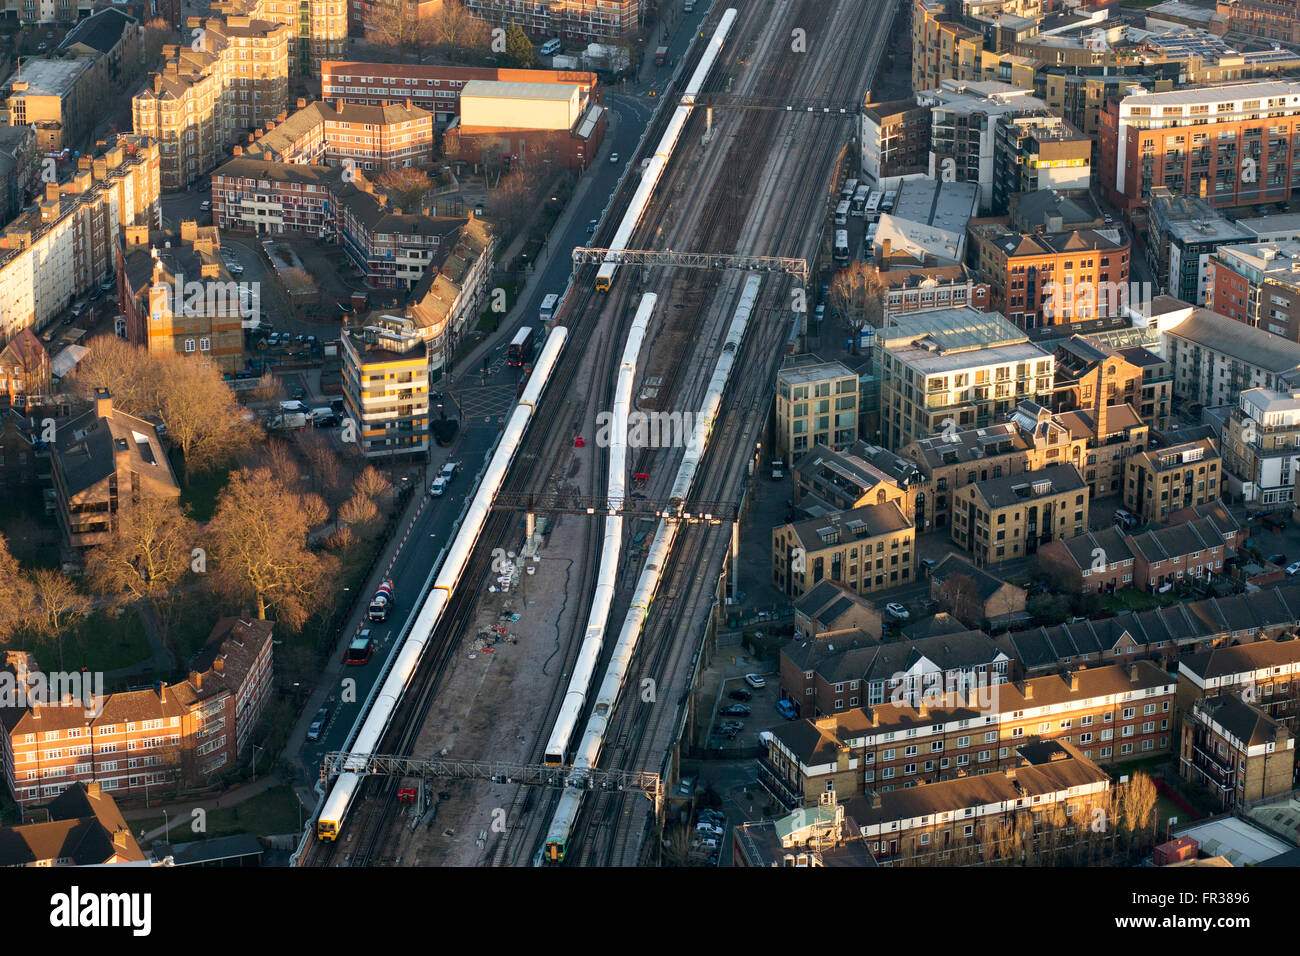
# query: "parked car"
[[318, 723], [206, 205], [897, 611], [613, 159], [1278, 559], [755, 681], [449, 470], [1293, 567], [927, 563], [740, 695], [735, 710], [786, 709], [591, 226], [439, 487]]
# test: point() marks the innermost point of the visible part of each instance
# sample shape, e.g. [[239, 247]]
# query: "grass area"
[[1131, 599], [200, 494], [102, 642], [194, 621], [274, 811]]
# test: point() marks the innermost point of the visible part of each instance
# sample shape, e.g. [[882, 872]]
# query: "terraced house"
[[1162, 634]]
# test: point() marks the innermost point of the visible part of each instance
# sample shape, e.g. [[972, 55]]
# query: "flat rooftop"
[[1242, 843], [1272, 225], [520, 91], [948, 206], [49, 77], [1258, 90]]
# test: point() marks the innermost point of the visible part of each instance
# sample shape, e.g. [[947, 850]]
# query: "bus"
[[841, 247], [521, 347], [848, 189], [873, 205], [859, 206], [842, 213], [869, 242], [549, 303], [887, 204]]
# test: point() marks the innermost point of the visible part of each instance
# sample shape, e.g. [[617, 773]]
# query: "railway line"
[[723, 198]]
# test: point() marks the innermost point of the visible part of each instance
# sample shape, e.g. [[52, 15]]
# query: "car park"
[[897, 611], [755, 681], [740, 695]]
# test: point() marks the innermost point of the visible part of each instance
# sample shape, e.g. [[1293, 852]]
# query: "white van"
[[547, 312], [842, 213], [439, 487], [550, 47]]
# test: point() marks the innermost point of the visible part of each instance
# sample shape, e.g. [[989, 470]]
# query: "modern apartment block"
[[1235, 751], [386, 386], [964, 120], [1031, 440], [1258, 284], [177, 296], [945, 49], [816, 404], [895, 141], [369, 138], [1002, 519], [1261, 446], [432, 87], [141, 741], [1215, 358], [1231, 145], [65, 247], [1045, 279], [952, 369], [861, 474], [1183, 233], [1161, 481], [866, 549], [1038, 151], [233, 78], [592, 21]]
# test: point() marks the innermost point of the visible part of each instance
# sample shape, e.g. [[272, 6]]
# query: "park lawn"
[[271, 812], [1131, 599], [200, 493], [104, 641]]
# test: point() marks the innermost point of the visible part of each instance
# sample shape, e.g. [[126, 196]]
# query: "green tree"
[[519, 49]]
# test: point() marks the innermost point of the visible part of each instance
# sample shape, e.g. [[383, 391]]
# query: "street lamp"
[[255, 750]]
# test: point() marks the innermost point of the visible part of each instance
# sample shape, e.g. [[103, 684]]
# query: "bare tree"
[[405, 187], [203, 418], [962, 596], [148, 558], [259, 547], [358, 510], [57, 603], [857, 296], [454, 26], [372, 483], [395, 24], [278, 456], [512, 201], [124, 369], [17, 601]]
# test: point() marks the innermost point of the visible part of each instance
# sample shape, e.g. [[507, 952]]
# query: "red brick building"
[[134, 742]]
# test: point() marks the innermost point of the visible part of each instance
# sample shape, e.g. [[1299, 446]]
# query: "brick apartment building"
[[1101, 381], [1002, 519], [895, 141], [161, 739], [369, 138], [432, 87], [1267, 673], [1112, 714], [1235, 751], [830, 609], [930, 287], [167, 322], [868, 549], [278, 198], [65, 247], [834, 673], [1159, 482], [85, 828], [1046, 279], [1258, 284], [861, 474], [1231, 145], [1031, 440], [24, 370], [575, 21]]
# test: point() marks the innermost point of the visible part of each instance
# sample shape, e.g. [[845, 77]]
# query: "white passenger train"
[[663, 152], [593, 739], [603, 598], [408, 655]]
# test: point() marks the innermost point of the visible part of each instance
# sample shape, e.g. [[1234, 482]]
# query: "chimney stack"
[[1029, 691], [1074, 682], [1133, 673], [875, 800], [103, 403]]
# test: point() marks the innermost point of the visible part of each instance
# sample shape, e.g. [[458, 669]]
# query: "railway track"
[[611, 827]]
